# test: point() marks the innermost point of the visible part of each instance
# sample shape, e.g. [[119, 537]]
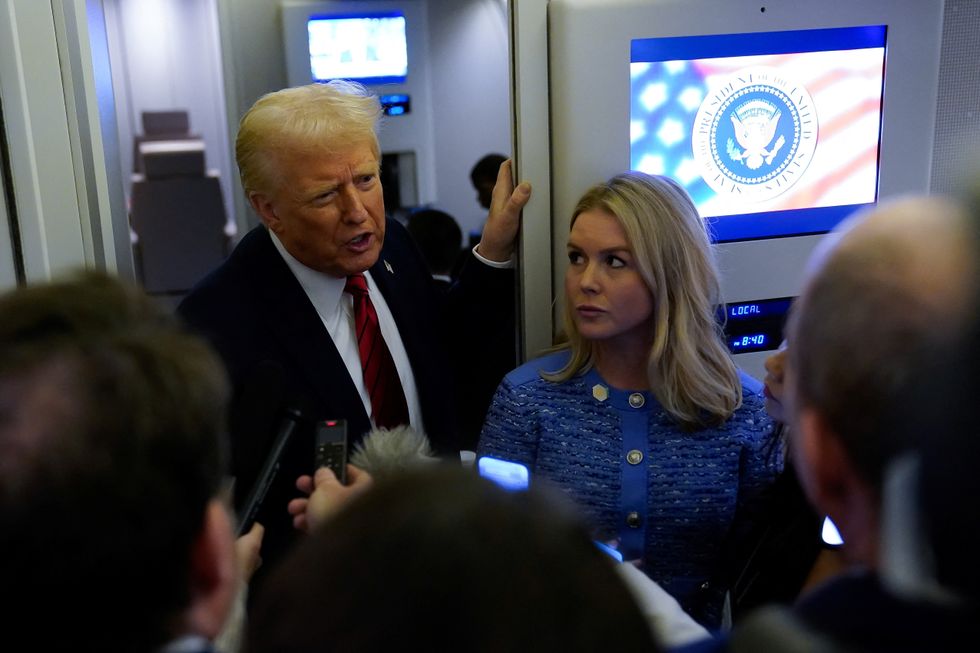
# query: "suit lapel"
[[294, 322], [402, 300], [398, 278]]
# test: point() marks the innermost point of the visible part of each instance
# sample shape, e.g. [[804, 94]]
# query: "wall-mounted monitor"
[[382, 44], [780, 118], [771, 133], [370, 48]]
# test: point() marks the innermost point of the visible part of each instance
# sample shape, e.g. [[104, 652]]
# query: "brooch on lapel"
[[388, 267], [600, 392]]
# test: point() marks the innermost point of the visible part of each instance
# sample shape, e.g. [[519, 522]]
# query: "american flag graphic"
[[846, 88]]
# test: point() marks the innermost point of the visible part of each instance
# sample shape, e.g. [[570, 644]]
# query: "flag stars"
[[638, 130], [671, 132], [690, 98], [652, 164], [653, 96]]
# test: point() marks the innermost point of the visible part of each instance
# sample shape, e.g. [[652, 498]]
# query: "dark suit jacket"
[[858, 613], [850, 613], [279, 354]]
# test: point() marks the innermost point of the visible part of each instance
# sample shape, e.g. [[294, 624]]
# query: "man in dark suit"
[[283, 312]]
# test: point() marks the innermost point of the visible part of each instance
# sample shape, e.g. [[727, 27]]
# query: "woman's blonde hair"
[[689, 365], [312, 118]]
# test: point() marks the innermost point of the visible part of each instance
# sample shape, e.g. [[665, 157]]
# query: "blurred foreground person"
[[932, 531], [884, 293], [114, 535], [439, 559], [384, 454]]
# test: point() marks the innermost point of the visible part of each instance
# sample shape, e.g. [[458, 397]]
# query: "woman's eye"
[[574, 258], [615, 262]]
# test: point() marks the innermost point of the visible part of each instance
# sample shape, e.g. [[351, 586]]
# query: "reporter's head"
[[900, 276], [110, 465], [437, 558]]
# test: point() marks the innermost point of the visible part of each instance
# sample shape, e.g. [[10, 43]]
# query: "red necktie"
[[388, 408]]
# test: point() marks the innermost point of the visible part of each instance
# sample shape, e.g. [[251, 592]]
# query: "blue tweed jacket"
[[668, 496]]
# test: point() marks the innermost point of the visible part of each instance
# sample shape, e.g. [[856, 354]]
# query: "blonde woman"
[[642, 417]]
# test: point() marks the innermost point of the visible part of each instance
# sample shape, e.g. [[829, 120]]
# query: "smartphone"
[[508, 475], [331, 447], [609, 551]]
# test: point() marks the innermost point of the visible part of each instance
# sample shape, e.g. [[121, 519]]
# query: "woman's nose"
[[589, 281]]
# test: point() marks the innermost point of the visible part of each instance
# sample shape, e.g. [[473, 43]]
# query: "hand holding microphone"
[[327, 495], [248, 549], [382, 452]]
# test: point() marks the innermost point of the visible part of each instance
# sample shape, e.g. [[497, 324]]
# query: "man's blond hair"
[[313, 118]]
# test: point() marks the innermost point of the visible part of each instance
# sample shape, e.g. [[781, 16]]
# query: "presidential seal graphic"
[[754, 134]]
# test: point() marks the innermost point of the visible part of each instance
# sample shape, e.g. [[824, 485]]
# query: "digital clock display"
[[756, 325], [754, 340]]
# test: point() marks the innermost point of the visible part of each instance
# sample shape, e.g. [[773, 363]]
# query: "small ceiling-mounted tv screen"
[[366, 48], [771, 133]]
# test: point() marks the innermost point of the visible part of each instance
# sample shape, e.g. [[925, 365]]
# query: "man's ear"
[[264, 207], [822, 464], [838, 489], [213, 572]]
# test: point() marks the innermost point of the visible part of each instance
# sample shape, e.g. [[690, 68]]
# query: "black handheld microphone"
[[270, 469]]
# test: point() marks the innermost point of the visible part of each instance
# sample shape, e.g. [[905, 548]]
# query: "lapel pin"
[[388, 267], [600, 392]]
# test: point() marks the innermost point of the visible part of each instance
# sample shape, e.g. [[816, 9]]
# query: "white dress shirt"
[[670, 624], [336, 311]]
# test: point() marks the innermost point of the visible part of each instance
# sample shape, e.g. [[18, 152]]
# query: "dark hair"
[[110, 417], [486, 168], [440, 559], [438, 236]]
